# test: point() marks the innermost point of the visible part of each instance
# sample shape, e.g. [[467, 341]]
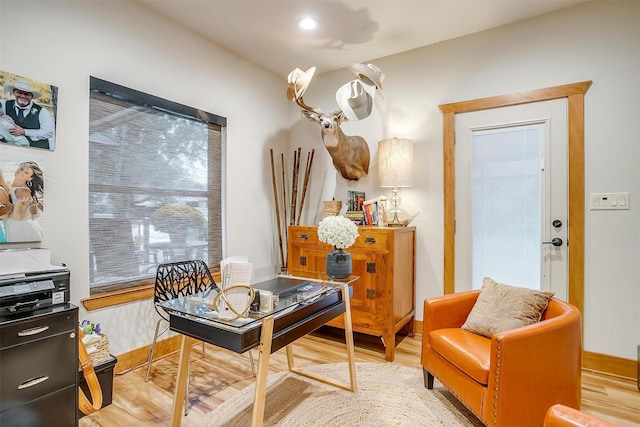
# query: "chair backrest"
[[557, 308], [181, 278]]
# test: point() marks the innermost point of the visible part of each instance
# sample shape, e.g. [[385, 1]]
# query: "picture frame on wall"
[[27, 112], [21, 196]]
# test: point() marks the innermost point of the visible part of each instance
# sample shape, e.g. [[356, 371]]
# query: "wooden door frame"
[[575, 115]]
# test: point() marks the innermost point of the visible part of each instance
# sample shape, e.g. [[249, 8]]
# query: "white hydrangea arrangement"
[[338, 231]]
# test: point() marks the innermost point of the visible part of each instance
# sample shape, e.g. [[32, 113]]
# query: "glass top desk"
[[303, 306]]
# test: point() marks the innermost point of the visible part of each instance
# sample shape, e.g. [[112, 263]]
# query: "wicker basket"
[[331, 208], [99, 352]]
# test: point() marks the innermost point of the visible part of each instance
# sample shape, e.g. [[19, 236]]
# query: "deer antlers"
[[350, 154]]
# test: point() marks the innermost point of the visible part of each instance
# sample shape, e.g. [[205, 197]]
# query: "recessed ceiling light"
[[307, 23]]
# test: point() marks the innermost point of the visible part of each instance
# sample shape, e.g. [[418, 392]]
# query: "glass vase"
[[338, 264]]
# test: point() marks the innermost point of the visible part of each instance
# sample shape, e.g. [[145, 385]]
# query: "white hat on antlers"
[[356, 99], [299, 82], [369, 73]]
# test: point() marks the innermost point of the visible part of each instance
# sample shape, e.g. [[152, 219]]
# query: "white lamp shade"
[[395, 162]]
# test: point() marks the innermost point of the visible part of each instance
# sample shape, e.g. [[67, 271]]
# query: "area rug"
[[388, 394]]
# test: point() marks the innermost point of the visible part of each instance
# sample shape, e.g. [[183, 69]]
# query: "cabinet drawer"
[[42, 367], [371, 240], [35, 328], [56, 409], [305, 236]]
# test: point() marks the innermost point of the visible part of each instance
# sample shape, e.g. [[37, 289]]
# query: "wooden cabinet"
[[39, 368], [383, 299]]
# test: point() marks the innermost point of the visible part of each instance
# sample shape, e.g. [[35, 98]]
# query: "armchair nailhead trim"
[[497, 388]]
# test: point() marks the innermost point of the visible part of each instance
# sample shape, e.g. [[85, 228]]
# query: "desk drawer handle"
[[33, 382], [370, 240], [32, 331], [304, 236]]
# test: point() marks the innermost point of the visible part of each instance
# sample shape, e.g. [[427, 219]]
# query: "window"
[[155, 185]]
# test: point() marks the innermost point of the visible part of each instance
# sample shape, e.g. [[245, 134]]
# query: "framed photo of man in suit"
[[27, 112]]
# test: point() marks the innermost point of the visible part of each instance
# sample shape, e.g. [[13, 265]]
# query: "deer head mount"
[[350, 154]]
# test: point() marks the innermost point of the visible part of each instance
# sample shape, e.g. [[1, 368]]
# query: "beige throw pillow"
[[502, 307]]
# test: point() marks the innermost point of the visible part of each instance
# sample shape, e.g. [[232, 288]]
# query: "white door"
[[511, 197]]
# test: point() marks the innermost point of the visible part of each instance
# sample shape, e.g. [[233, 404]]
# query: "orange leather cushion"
[[467, 351]]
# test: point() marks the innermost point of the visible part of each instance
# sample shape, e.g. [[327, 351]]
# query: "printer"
[[29, 282]]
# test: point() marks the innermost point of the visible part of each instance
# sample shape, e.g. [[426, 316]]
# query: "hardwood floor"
[[218, 374]]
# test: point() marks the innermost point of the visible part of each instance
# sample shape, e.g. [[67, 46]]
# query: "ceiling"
[[265, 32]]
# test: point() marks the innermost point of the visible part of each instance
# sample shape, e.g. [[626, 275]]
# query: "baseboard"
[[604, 363], [613, 365], [140, 355]]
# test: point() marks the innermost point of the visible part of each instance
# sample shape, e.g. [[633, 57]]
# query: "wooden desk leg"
[[266, 337], [348, 334], [181, 380], [290, 358]]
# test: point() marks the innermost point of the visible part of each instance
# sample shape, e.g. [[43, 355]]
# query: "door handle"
[[556, 241]]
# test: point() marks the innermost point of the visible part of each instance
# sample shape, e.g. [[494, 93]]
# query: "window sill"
[[121, 296]]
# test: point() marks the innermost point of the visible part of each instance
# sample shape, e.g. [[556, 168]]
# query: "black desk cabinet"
[[39, 368]]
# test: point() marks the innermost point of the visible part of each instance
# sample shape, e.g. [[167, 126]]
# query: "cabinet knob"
[[304, 236], [370, 240]]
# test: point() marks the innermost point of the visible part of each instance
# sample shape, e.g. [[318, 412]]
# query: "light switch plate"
[[609, 201]]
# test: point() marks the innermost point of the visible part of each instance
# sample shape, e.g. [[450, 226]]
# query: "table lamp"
[[395, 169]]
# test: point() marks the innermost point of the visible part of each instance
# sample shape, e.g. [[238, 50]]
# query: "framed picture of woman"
[[21, 197]]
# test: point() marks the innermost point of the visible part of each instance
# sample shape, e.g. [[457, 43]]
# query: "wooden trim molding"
[[575, 109], [591, 361], [121, 296], [613, 365], [140, 356], [603, 363]]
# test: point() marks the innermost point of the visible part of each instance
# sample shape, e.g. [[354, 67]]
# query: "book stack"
[[375, 211], [355, 203]]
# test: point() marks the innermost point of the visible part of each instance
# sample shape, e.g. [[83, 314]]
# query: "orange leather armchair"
[[563, 416], [512, 378]]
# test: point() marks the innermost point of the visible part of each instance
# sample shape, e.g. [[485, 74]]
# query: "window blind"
[[155, 190]]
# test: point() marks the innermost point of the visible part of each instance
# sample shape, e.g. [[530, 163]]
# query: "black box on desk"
[[104, 372]]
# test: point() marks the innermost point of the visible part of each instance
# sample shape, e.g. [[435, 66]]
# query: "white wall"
[[593, 41], [63, 43], [132, 46]]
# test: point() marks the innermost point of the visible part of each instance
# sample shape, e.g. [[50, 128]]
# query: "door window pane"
[[507, 194]]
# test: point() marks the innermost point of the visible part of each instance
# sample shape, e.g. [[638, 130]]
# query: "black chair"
[[176, 279]]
